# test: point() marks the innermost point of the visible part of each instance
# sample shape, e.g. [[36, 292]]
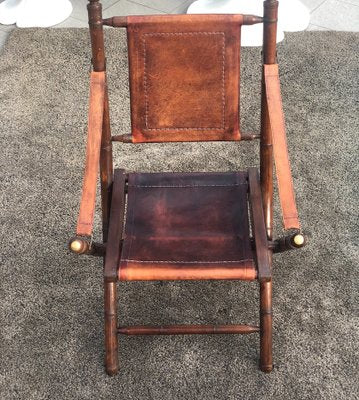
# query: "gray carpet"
[[51, 301]]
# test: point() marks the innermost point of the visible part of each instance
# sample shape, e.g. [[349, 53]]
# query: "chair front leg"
[[266, 361], [111, 339]]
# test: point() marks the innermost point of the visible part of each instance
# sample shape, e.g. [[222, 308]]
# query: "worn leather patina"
[[184, 77], [167, 238]]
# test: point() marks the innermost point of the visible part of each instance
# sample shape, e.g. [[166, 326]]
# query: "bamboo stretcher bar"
[[127, 137], [187, 329]]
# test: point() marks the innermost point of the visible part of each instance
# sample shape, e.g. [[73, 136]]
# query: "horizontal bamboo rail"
[[121, 22], [127, 137], [187, 329], [116, 22]]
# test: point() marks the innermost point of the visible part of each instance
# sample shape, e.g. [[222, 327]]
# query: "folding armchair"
[[184, 86]]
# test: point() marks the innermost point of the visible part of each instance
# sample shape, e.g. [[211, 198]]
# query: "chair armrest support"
[[258, 226], [280, 150], [95, 119]]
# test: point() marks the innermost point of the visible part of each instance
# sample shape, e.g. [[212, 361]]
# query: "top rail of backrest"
[[184, 75], [122, 22]]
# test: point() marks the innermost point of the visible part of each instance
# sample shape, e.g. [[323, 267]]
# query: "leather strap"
[[280, 150], [95, 118]]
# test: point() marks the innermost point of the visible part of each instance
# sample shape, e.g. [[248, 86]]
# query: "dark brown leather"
[[280, 149], [184, 77], [187, 226]]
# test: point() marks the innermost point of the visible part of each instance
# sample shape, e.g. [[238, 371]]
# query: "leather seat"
[[167, 238]]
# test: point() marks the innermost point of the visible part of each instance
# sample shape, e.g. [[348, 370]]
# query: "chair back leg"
[[270, 15]]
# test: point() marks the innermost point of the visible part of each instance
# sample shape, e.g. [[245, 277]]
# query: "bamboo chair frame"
[[113, 187]]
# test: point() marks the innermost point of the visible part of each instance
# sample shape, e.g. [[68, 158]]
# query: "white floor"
[[341, 15]]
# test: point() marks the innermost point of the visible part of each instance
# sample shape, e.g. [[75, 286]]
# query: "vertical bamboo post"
[[99, 64], [111, 338], [106, 172], [266, 151], [270, 15]]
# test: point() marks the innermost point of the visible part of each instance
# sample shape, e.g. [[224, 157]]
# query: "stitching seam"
[[184, 186], [187, 262], [146, 88]]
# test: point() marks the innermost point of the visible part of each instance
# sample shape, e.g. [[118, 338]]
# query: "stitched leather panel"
[[184, 77], [187, 226]]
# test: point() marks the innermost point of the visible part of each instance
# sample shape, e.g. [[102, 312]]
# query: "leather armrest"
[[280, 150], [95, 119]]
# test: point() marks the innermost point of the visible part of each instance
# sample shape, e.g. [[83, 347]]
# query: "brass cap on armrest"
[[298, 240], [78, 245], [293, 241]]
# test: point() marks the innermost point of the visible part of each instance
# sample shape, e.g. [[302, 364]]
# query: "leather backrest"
[[184, 77]]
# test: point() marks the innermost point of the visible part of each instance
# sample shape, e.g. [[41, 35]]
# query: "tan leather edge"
[[280, 149], [137, 271], [95, 118]]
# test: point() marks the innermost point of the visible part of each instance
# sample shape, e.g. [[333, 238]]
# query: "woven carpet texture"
[[51, 309]]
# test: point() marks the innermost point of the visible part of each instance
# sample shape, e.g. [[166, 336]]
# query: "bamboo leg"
[[111, 339], [266, 362], [270, 14]]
